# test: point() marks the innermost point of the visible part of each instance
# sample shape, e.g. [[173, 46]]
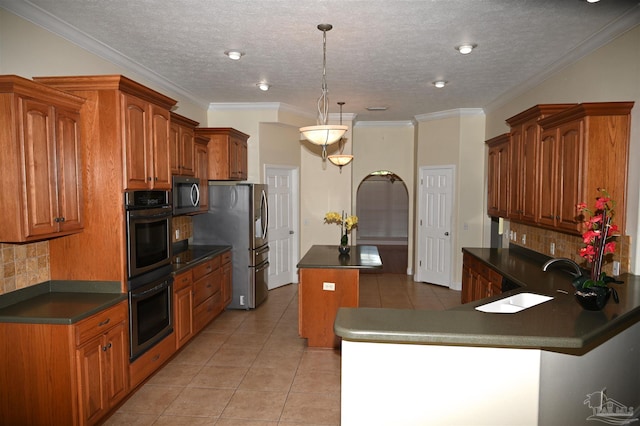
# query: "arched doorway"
[[382, 207]]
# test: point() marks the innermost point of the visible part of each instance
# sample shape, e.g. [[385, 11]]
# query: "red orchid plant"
[[598, 236]]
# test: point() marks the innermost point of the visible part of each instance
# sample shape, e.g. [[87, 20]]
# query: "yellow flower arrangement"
[[347, 223]]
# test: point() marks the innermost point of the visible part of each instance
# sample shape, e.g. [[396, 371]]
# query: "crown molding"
[[399, 123], [451, 113], [44, 19]]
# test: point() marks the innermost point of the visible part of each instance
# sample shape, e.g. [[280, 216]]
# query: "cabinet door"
[[183, 309], [242, 160], [547, 180], [234, 158], [187, 152], [174, 148], [515, 149], [498, 176], [38, 151], [569, 187], [91, 380], [159, 158], [467, 284], [116, 342], [136, 148], [69, 171], [529, 172]]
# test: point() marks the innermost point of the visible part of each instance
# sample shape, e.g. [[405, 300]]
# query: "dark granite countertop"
[[327, 257], [188, 256], [559, 324], [59, 302]]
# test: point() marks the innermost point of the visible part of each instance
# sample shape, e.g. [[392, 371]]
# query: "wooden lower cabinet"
[[183, 308], [478, 280], [318, 302], [199, 295], [207, 296], [55, 374]]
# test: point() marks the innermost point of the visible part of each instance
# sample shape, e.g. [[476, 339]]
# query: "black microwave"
[[186, 195]]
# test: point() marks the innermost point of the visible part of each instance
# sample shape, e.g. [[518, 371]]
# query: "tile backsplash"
[[23, 265], [184, 226], [565, 245]]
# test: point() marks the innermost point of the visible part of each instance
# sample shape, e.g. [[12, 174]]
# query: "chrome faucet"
[[579, 272]]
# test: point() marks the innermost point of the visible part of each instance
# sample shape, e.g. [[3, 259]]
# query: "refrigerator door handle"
[[264, 249], [263, 265], [264, 210]]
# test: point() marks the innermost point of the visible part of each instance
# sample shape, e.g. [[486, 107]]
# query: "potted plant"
[[347, 223], [593, 291]]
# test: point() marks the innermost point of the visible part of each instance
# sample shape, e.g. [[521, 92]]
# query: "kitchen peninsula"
[[463, 366], [328, 281]]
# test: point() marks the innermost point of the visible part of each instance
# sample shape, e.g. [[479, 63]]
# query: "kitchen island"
[[328, 281], [547, 364]]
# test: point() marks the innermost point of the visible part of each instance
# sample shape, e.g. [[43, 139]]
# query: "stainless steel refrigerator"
[[239, 216]]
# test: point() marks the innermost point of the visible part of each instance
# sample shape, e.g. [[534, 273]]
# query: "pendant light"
[[323, 134], [341, 159]]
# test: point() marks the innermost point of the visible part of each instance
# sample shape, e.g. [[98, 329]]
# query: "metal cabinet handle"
[[105, 322]]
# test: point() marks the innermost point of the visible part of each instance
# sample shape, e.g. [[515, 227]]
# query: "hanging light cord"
[[323, 100]]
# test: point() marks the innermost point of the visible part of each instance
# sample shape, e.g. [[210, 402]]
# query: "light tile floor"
[[252, 368]]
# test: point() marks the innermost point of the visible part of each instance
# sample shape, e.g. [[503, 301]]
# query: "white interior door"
[[434, 225], [282, 184]]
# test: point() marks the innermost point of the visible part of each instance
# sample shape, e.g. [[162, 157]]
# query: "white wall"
[[457, 138], [387, 146], [28, 50]]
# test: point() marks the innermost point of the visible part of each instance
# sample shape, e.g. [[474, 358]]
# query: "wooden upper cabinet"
[[524, 160], [227, 153], [498, 176], [588, 147], [182, 143], [145, 135], [125, 145], [41, 195]]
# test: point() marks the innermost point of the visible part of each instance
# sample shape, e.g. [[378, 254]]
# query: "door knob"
[[291, 232], [446, 234]]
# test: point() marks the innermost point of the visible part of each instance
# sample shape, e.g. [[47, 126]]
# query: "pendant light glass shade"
[[324, 134], [340, 159]]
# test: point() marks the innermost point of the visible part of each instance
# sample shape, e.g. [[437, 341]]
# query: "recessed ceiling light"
[[234, 54], [440, 83], [377, 108], [592, 1], [263, 86], [466, 48]]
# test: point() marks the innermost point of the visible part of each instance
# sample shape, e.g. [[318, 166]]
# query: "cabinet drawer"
[[207, 311], [225, 257], [206, 287], [100, 322], [182, 280], [206, 268], [151, 360]]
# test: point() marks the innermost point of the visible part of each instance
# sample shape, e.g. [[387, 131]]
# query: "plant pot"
[[594, 298], [344, 249]]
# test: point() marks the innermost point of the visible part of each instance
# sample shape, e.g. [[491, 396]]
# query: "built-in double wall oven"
[[148, 219]]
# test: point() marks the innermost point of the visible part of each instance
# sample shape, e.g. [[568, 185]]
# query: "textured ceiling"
[[379, 53]]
